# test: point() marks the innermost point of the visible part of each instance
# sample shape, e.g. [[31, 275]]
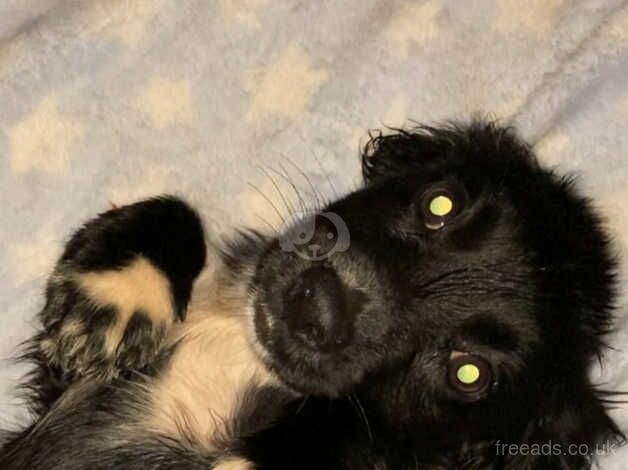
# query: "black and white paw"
[[124, 278]]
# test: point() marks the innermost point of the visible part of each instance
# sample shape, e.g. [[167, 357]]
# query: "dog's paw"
[[100, 322], [122, 281]]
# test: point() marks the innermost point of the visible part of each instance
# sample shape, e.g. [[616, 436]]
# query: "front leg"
[[122, 280]]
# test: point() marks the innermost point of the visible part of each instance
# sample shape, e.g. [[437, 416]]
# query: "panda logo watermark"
[[315, 237]]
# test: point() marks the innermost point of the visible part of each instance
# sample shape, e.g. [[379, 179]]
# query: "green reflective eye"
[[441, 206], [468, 374]]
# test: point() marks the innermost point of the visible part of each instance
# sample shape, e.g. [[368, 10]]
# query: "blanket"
[[252, 108]]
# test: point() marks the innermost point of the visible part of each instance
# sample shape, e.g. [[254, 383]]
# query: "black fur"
[[521, 275]]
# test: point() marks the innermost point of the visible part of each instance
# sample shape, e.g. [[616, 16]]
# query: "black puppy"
[[444, 316]]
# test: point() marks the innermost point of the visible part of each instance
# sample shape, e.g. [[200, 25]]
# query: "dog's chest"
[[200, 392]]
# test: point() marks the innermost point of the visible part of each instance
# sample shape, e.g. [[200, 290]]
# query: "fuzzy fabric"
[[230, 102]]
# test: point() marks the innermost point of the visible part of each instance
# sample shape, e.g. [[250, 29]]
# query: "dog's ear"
[[402, 152], [425, 148], [573, 432]]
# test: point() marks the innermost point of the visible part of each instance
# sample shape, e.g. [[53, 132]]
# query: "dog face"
[[470, 292]]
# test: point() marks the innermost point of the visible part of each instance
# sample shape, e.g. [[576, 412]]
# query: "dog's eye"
[[440, 204], [469, 374]]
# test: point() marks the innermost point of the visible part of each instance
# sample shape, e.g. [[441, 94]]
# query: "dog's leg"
[[122, 280]]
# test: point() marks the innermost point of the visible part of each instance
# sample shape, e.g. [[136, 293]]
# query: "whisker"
[[362, 414], [302, 405], [267, 223], [326, 174], [269, 201], [307, 179], [294, 187], [289, 208]]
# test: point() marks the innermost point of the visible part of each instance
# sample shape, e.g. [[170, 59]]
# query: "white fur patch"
[[235, 464], [138, 286], [213, 365]]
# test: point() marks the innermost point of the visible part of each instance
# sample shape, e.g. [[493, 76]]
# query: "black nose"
[[316, 311]]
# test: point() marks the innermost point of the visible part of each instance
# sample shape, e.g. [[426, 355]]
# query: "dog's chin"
[[305, 371]]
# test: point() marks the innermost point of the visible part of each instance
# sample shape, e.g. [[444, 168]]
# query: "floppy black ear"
[[573, 433], [400, 153], [425, 148]]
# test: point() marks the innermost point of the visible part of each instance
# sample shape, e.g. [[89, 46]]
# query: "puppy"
[[443, 316]]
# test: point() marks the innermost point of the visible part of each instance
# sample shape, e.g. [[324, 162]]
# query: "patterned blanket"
[[238, 105]]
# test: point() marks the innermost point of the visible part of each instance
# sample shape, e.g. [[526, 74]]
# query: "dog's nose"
[[315, 310]]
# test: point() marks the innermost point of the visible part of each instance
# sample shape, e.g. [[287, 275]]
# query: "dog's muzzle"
[[317, 310]]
